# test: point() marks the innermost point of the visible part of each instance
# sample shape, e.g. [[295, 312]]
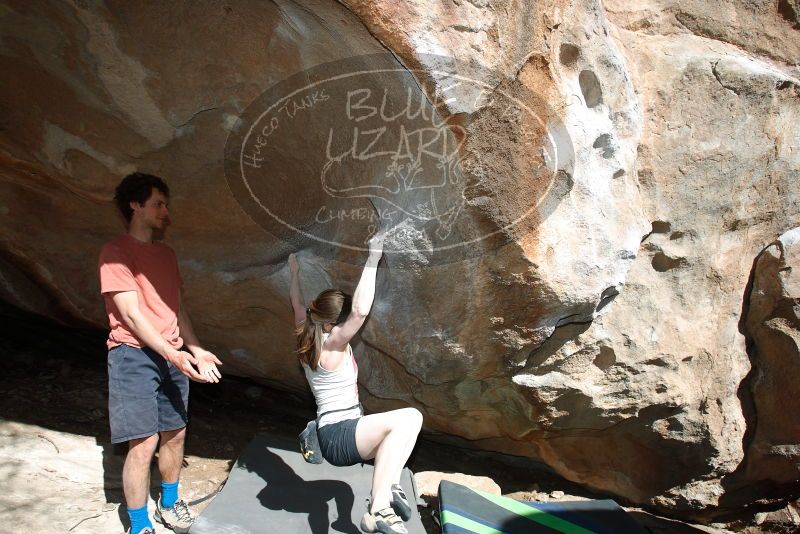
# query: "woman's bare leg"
[[388, 437], [411, 433]]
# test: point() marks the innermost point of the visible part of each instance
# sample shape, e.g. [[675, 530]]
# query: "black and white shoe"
[[400, 503], [384, 521]]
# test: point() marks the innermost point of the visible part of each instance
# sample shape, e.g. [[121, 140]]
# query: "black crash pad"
[[272, 489]]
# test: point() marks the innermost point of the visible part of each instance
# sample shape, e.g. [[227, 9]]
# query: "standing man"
[[152, 352]]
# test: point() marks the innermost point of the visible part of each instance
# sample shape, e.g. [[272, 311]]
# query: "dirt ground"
[[61, 474]]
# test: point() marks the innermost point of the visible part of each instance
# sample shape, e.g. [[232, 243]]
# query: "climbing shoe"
[[400, 503]]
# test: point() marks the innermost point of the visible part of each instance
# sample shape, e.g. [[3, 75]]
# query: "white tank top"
[[335, 390]]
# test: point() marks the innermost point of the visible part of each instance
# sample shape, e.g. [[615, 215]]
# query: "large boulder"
[[618, 170]]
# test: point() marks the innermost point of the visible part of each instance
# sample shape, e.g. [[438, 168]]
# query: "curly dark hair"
[[137, 187]]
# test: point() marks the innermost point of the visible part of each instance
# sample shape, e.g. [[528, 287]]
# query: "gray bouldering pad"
[[272, 489]]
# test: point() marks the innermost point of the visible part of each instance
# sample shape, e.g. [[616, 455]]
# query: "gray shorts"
[[338, 442], [146, 394]]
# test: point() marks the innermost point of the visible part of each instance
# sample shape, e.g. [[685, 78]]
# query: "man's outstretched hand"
[[185, 363], [207, 366]]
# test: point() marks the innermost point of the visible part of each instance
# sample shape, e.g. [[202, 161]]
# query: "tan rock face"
[[428, 482], [612, 214], [773, 321]]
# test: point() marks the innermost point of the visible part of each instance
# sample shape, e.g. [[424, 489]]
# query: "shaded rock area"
[[598, 329], [62, 474]]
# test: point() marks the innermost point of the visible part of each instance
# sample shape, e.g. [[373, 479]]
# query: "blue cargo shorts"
[[146, 394]]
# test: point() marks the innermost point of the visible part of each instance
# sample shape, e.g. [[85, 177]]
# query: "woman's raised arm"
[[298, 304], [363, 297]]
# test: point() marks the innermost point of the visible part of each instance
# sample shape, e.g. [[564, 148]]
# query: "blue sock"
[[169, 494], [139, 519]]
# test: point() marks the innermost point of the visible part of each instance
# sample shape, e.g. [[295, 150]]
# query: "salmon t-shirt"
[[150, 269]]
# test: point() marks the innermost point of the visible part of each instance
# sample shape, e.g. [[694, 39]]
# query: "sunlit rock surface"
[[594, 320]]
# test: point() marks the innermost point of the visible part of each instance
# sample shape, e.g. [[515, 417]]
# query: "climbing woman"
[[346, 436]]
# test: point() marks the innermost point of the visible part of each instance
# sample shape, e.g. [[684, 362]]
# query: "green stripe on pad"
[[534, 514], [452, 518]]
